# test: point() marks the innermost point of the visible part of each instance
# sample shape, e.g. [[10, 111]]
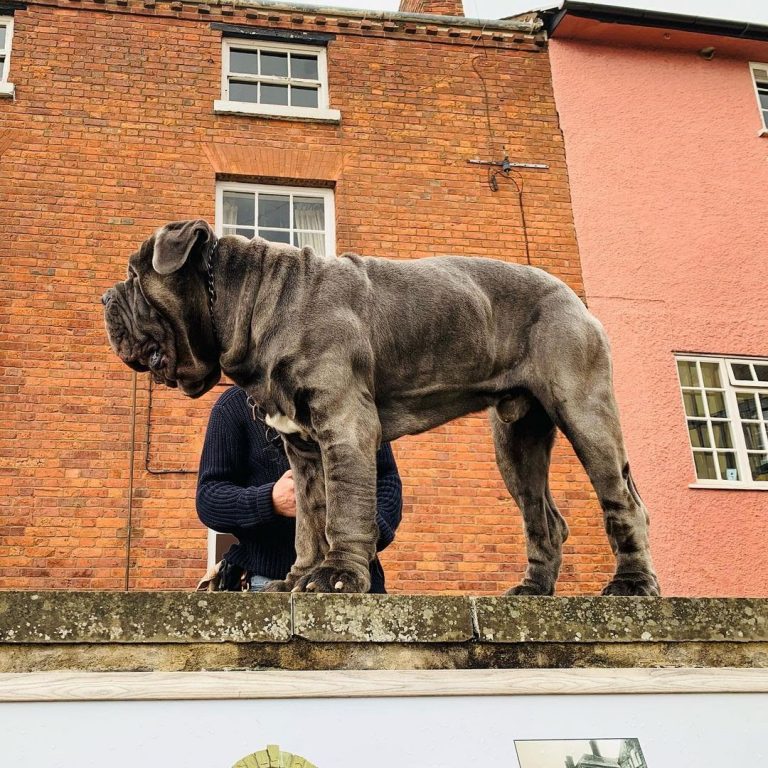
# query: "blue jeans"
[[258, 583]]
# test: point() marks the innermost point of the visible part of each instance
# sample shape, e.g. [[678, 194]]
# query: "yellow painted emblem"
[[273, 757]]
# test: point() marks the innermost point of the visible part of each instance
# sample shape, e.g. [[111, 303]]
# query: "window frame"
[[762, 110], [321, 113], [730, 390], [257, 187], [6, 87]]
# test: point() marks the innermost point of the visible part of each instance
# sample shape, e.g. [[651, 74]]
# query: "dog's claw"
[[310, 586], [339, 585]]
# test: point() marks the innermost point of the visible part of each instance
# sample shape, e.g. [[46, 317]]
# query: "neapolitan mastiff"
[[342, 353]]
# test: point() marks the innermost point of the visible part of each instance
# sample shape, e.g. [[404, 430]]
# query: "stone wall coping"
[[59, 617], [533, 28]]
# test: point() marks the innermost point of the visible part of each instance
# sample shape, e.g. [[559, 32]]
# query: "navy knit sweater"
[[238, 469]]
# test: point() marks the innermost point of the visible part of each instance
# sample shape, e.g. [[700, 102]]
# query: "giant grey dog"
[[339, 354]]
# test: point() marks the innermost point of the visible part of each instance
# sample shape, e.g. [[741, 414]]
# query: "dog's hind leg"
[[311, 544], [592, 426], [585, 410], [523, 451]]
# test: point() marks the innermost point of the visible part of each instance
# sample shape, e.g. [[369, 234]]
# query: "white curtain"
[[230, 213], [310, 217]]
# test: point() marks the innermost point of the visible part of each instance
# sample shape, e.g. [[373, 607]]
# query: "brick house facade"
[[109, 130]]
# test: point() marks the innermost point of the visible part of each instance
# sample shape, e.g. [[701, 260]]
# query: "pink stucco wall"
[[669, 181]]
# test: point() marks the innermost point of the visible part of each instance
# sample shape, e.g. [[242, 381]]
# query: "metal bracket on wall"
[[505, 166]]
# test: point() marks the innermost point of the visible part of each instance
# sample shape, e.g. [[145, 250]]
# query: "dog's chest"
[[283, 424]]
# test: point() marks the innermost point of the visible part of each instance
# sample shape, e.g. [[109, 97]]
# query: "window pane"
[[274, 64], [244, 92], [758, 464], [753, 436], [246, 62], [274, 211], [242, 231], [303, 97], [276, 236], [764, 100], [687, 372], [694, 405], [764, 406], [308, 213], [2, 38], [274, 94], [722, 433], [699, 434], [239, 210], [762, 372], [710, 372], [728, 461], [741, 372], [716, 404], [314, 240], [705, 466], [305, 67], [747, 405]]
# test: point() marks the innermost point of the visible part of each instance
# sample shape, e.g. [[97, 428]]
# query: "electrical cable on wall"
[[505, 166], [493, 176]]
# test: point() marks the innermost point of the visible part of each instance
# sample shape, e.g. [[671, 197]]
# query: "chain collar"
[[211, 286], [257, 412], [274, 440]]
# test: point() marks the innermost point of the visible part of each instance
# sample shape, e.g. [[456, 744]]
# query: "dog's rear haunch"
[[342, 353]]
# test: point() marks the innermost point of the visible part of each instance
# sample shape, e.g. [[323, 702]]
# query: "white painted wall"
[[675, 731]]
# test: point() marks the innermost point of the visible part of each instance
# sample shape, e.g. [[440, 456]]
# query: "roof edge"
[[511, 25], [614, 14]]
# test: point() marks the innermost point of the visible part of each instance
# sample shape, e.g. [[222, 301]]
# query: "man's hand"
[[283, 496]]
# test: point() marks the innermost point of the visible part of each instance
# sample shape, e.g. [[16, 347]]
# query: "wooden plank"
[[127, 686]]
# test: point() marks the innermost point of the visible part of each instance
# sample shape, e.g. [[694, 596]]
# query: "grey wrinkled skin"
[[356, 350]]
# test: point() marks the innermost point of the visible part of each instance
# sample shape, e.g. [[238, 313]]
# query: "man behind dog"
[[245, 488]]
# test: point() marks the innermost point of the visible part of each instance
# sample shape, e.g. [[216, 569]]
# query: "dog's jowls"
[[346, 352]]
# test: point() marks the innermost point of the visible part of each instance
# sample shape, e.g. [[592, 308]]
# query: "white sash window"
[[726, 410]]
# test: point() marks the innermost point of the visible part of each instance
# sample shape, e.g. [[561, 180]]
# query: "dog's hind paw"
[[278, 585], [633, 584], [333, 580]]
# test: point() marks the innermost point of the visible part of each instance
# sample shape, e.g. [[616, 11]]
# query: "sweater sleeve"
[[389, 496], [224, 503]]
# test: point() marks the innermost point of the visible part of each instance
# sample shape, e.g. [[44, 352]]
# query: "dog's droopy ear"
[[176, 241]]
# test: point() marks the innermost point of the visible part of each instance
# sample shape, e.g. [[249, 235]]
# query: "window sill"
[[277, 112], [7, 90], [763, 132], [726, 486]]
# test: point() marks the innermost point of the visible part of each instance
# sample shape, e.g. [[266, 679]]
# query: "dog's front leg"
[[349, 438], [309, 488]]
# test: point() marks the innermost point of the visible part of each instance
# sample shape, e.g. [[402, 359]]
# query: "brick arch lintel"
[[321, 167]]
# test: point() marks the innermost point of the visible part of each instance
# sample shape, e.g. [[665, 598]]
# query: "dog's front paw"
[[278, 585], [530, 588], [633, 584], [331, 579]]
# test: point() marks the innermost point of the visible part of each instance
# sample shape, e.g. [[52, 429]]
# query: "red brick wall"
[[110, 136]]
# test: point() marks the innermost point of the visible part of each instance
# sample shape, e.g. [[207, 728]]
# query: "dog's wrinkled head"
[[157, 319]]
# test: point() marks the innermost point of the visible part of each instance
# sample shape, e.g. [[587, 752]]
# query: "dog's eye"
[[154, 359]]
